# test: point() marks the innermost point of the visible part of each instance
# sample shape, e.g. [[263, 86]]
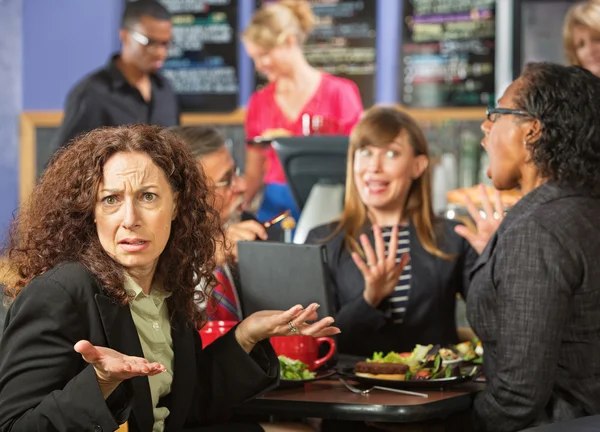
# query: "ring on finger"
[[292, 327]]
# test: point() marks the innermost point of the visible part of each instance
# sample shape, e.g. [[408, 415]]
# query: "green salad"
[[412, 359], [294, 369]]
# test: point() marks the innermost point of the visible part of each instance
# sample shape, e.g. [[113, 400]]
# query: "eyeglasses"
[[494, 113], [151, 44], [230, 180]]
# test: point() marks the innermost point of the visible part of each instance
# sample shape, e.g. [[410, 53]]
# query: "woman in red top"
[[299, 99]]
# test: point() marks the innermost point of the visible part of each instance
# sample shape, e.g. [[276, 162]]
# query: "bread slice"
[[457, 196], [391, 377]]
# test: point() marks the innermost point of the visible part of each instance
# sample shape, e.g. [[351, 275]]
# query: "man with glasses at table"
[[129, 88], [210, 148]]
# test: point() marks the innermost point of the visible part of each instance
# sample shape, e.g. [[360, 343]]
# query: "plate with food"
[[293, 373], [423, 367], [464, 352]]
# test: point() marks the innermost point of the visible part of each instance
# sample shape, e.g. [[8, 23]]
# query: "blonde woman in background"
[[298, 99], [383, 303], [581, 36]]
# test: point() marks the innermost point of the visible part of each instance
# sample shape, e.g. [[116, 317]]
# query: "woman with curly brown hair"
[[102, 330]]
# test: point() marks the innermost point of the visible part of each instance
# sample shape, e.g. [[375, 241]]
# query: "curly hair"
[[566, 101], [57, 223]]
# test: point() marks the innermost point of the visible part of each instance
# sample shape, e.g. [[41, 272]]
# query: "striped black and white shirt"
[[399, 298]]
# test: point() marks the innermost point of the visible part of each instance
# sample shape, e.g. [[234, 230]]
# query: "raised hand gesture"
[[486, 224], [381, 271]]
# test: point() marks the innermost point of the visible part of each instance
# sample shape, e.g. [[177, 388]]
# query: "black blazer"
[[430, 314], [45, 385], [534, 301]]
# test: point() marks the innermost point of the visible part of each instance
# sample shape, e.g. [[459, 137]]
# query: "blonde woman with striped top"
[[394, 267]]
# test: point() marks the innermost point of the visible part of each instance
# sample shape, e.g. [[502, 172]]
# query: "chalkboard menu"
[[447, 53], [202, 65], [343, 42]]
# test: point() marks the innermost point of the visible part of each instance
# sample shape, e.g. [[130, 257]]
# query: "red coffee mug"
[[303, 348], [213, 330]]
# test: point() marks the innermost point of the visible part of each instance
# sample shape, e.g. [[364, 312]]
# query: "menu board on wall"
[[202, 65], [342, 42], [447, 53]]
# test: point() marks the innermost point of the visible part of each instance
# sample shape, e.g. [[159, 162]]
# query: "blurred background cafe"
[[442, 61]]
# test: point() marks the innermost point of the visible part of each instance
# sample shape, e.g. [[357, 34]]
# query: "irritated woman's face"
[[135, 206]]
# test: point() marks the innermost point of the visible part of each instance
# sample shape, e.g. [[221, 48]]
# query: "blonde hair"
[[273, 22], [378, 127], [585, 14]]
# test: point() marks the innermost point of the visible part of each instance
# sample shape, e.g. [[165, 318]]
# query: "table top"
[[329, 399]]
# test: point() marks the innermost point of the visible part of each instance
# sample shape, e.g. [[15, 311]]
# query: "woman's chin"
[[376, 203], [502, 185], [136, 262]]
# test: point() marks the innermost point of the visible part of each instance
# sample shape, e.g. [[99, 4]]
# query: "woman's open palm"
[[486, 224], [381, 271], [295, 321], [112, 367]]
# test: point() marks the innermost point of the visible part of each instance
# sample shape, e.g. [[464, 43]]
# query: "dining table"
[[330, 399]]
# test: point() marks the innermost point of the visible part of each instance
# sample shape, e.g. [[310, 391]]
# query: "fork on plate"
[[357, 390]]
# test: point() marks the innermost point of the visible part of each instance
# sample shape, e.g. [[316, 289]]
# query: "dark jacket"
[[45, 385], [430, 314], [534, 301]]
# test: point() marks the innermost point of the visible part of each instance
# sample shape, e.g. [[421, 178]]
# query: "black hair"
[[135, 10], [566, 101], [201, 140]]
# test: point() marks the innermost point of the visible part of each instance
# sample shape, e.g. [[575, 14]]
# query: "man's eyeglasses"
[[494, 114], [147, 42], [230, 179]]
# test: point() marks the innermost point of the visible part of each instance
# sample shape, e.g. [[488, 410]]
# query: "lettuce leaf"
[[416, 357], [294, 369]]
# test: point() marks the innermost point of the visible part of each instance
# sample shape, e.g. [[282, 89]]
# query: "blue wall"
[[10, 106], [389, 15], [63, 40]]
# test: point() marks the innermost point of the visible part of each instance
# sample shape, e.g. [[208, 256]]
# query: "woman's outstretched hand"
[[295, 321], [381, 271], [486, 224], [112, 367]]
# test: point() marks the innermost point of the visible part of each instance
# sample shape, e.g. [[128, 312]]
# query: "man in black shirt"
[[129, 88]]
